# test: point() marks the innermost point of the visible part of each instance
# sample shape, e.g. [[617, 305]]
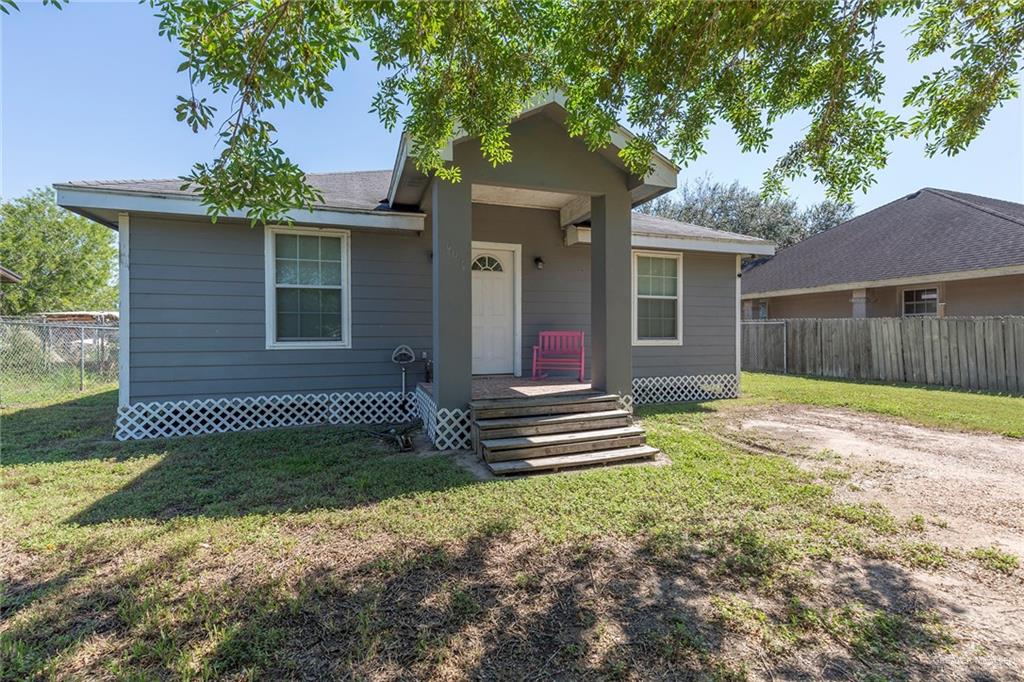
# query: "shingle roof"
[[361, 190], [928, 232], [367, 190], [656, 225]]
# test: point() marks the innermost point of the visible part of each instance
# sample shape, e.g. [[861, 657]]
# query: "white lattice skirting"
[[647, 390], [221, 415], [446, 429]]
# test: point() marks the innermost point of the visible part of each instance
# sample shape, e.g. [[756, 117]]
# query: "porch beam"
[[610, 291], [452, 236]]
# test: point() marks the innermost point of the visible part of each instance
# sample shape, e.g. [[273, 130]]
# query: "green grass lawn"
[[48, 386], [926, 405], [320, 552]]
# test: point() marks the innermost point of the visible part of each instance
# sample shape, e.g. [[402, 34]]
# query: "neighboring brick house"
[[930, 253]]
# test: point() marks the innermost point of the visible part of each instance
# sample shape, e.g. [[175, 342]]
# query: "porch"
[[503, 387]]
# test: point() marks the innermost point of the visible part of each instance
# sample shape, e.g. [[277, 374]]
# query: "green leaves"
[[670, 68], [252, 165], [735, 208], [66, 262]]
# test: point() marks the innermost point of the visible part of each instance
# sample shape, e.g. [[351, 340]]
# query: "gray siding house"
[[225, 326]]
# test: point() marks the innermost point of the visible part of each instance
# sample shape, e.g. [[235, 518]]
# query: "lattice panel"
[[221, 415], [453, 431], [648, 390], [447, 429], [427, 409]]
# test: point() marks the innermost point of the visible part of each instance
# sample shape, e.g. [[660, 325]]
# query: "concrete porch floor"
[[508, 386]]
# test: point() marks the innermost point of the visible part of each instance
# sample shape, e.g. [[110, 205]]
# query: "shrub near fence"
[[978, 353], [42, 361]]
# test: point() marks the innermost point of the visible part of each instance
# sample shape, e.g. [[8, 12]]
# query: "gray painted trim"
[[611, 261], [73, 197], [124, 310], [452, 239]]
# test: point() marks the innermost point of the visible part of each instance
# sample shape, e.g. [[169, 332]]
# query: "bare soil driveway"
[[962, 492]]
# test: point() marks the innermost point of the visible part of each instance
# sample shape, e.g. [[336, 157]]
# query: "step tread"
[[581, 397], [573, 448], [562, 461], [541, 420], [559, 438]]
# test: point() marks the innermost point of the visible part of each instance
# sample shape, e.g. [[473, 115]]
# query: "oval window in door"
[[487, 263]]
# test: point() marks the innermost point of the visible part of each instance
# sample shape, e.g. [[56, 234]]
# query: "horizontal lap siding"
[[197, 315], [558, 297], [709, 322]]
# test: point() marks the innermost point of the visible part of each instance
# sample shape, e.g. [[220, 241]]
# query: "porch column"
[[859, 303], [611, 335], [452, 222]]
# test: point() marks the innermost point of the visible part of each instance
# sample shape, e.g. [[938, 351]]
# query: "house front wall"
[[197, 319], [980, 297], [557, 296]]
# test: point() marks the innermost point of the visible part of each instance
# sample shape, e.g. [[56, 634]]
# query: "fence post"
[[785, 346], [81, 359]]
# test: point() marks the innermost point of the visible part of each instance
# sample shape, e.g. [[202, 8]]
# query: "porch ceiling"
[[528, 198]]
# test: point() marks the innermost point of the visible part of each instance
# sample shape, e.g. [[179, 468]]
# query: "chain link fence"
[[42, 361]]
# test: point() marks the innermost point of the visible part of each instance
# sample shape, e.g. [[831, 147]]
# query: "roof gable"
[[408, 183]]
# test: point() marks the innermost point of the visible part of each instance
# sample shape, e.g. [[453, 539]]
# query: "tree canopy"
[[735, 208], [66, 262], [668, 68]]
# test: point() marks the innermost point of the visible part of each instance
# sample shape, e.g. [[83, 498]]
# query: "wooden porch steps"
[[522, 466], [548, 433]]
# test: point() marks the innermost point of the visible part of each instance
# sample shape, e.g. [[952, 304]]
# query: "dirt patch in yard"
[[963, 493]]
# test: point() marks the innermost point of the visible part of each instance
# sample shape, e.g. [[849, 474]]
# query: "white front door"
[[494, 303]]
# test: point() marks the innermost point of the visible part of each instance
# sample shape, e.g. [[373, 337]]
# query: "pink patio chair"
[[558, 350]]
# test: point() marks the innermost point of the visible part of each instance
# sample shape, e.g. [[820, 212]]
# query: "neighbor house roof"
[[359, 192], [929, 233], [9, 275]]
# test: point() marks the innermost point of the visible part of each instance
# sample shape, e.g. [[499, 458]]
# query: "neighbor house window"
[[307, 288], [918, 302], [762, 310], [657, 299]]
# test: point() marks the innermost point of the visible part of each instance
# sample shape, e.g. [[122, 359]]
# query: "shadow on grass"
[[79, 428], [282, 470], [497, 606]]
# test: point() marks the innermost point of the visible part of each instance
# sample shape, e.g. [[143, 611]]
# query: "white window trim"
[[270, 284], [678, 341], [938, 300]]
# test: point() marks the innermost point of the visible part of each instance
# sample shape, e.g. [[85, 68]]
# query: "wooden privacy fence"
[[977, 353]]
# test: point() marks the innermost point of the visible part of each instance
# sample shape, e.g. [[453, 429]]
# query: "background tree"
[[735, 208], [66, 262], [668, 68]]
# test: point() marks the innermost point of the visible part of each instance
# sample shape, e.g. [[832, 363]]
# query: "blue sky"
[[88, 93]]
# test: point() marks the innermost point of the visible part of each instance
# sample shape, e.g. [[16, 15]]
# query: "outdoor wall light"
[[539, 262]]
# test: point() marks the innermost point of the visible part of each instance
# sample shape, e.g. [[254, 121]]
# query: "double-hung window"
[[657, 299], [308, 298], [920, 302]]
